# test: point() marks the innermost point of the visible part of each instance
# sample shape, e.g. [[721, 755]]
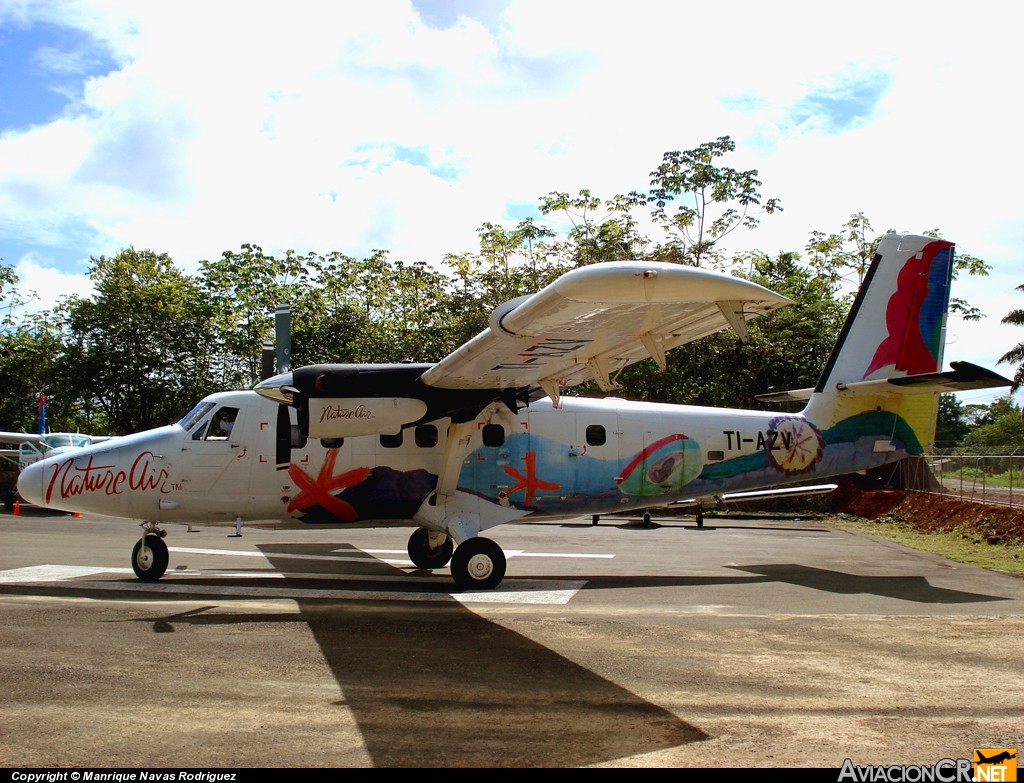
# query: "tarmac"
[[755, 641]]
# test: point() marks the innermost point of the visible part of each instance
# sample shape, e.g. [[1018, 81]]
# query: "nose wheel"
[[149, 557], [478, 564]]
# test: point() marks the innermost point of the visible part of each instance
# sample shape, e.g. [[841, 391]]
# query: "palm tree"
[[1015, 354]]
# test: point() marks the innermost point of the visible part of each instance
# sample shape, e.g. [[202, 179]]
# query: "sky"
[[191, 128]]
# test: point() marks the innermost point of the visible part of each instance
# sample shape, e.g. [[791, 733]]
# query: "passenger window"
[[331, 443], [596, 435], [426, 436], [298, 440], [391, 441], [494, 435]]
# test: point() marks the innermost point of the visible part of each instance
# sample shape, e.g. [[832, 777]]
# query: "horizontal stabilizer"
[[793, 395], [963, 377]]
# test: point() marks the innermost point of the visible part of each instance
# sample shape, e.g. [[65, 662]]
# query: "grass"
[[960, 546], [1010, 478]]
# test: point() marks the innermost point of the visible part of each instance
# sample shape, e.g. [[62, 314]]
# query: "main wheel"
[[149, 561], [423, 556], [478, 564]]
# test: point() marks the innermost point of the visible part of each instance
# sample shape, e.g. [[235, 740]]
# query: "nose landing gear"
[[149, 556]]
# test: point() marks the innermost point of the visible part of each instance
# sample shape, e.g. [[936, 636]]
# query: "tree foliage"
[[1015, 354], [710, 201], [1002, 428], [152, 339], [142, 348]]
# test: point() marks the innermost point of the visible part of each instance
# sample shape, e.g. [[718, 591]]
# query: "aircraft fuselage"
[[585, 457]]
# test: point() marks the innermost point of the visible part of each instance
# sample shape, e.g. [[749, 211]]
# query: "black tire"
[[150, 562], [423, 556], [478, 564]]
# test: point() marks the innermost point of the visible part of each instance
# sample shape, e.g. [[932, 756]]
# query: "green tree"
[[141, 349], [711, 201], [1015, 354], [951, 424], [847, 254], [1002, 429], [245, 288], [601, 230], [328, 321], [30, 342]]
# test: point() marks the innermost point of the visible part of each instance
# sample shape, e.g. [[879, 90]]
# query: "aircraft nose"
[[30, 484]]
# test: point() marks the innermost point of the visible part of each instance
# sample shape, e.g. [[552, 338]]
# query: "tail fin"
[[877, 398], [897, 326], [881, 381]]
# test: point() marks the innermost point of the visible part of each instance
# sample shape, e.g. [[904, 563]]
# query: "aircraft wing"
[[595, 320], [20, 437]]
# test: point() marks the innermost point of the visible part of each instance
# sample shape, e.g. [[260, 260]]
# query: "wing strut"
[[456, 447]]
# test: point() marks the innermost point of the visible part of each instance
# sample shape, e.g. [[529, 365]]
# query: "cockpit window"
[[190, 419], [221, 424]]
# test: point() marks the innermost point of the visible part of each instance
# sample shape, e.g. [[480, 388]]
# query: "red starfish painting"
[[318, 491], [529, 482]]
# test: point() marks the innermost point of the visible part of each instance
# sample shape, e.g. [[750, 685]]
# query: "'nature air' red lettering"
[[71, 479]]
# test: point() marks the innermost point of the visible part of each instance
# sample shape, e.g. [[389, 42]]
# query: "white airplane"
[[33, 446], [485, 436]]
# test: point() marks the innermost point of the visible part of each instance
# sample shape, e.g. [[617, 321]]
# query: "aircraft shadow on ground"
[[906, 588], [436, 685]]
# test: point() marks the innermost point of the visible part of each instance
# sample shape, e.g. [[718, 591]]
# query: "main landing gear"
[[477, 564], [149, 557], [430, 549]]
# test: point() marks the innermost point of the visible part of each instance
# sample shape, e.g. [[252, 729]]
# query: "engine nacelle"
[[346, 417], [347, 400]]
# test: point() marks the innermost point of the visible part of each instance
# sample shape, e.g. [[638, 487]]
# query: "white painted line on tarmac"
[[526, 591], [48, 573], [365, 555]]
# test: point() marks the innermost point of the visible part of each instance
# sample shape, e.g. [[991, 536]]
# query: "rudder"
[[897, 324]]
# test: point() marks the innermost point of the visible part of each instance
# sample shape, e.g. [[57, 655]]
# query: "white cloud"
[[337, 126], [44, 285]]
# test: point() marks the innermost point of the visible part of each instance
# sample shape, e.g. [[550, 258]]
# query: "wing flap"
[[595, 320]]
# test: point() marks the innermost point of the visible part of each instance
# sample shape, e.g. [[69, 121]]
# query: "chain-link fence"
[[985, 478]]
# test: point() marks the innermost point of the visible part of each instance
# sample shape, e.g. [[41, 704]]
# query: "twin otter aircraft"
[[485, 437]]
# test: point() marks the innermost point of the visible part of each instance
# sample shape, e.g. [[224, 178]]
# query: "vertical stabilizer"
[[896, 328], [897, 324]]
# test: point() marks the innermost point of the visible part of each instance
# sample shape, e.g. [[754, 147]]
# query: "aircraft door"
[[550, 462], [666, 463], [599, 439], [215, 450]]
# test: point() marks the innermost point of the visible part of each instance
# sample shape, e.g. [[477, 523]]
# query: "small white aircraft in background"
[[485, 436], [33, 446]]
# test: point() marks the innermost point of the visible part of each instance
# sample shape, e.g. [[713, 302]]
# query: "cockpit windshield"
[[60, 440], [190, 419]]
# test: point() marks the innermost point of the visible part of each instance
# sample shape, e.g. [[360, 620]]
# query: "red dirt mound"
[[929, 512]]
